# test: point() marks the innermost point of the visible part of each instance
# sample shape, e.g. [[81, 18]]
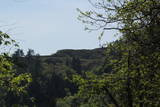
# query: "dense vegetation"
[[124, 74], [12, 83], [135, 77], [52, 76]]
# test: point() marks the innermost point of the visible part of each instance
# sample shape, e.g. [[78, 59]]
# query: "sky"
[[48, 25]]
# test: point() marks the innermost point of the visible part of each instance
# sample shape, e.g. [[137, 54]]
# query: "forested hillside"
[[53, 75], [126, 73]]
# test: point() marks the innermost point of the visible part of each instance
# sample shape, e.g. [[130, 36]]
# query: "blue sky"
[[48, 25]]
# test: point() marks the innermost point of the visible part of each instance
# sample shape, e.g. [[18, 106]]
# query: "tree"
[[135, 77], [18, 53], [76, 65], [10, 82], [30, 53]]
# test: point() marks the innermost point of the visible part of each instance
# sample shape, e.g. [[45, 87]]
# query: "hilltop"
[[89, 59]]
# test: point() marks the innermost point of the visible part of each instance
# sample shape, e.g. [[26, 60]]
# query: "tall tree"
[[10, 82], [135, 81]]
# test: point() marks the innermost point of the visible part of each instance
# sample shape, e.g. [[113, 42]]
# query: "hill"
[[52, 74], [89, 59]]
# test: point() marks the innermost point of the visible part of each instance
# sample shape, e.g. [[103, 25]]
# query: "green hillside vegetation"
[[126, 73], [53, 75], [88, 58]]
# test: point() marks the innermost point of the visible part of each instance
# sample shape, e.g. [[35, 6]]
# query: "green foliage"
[[91, 89], [134, 60], [129, 76], [10, 82], [52, 76]]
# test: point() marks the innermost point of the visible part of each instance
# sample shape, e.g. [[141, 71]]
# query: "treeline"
[[134, 80], [127, 76], [52, 76]]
